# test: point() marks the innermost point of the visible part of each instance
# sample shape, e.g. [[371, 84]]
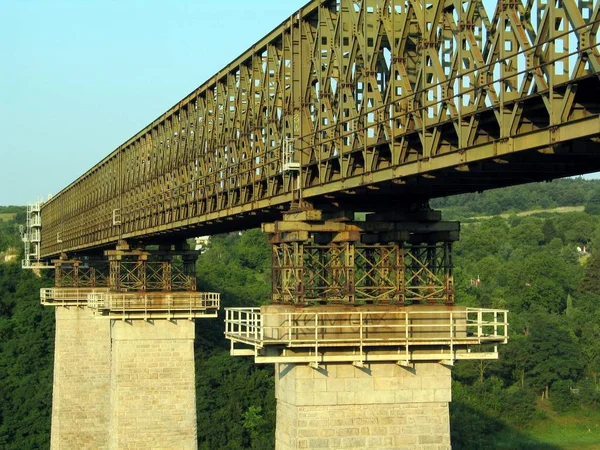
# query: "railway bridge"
[[332, 133]]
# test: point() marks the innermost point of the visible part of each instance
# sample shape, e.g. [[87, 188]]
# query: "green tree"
[[527, 233], [563, 399], [591, 279], [549, 230], [26, 355], [593, 204], [555, 355]]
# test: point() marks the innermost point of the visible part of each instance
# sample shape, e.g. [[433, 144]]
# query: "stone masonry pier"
[[122, 384], [124, 374], [152, 390], [82, 365], [379, 406]]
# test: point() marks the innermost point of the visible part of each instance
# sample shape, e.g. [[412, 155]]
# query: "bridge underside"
[[547, 163]]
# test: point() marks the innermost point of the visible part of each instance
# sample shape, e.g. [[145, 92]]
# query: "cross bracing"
[[375, 100]]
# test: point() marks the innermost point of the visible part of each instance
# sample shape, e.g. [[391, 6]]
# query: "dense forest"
[[532, 249], [26, 348]]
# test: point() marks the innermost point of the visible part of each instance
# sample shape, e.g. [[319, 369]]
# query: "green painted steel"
[[356, 104]]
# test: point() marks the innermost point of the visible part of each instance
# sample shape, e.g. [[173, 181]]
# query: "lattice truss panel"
[[79, 274], [355, 87], [352, 273], [136, 274]]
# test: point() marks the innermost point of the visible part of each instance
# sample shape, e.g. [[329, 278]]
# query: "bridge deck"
[[357, 103]]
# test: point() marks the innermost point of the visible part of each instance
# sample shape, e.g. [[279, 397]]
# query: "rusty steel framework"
[[350, 273], [394, 98], [133, 282], [80, 274], [127, 269], [387, 259], [137, 269]]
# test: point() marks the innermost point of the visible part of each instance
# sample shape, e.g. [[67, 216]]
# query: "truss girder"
[[132, 274], [368, 91], [350, 273], [398, 258]]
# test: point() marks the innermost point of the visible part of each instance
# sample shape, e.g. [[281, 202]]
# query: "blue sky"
[[79, 77]]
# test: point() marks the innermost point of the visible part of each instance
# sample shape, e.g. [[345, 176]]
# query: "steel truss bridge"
[[332, 133], [355, 105]]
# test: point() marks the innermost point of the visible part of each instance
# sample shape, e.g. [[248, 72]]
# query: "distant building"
[[10, 255], [202, 243], [583, 251]]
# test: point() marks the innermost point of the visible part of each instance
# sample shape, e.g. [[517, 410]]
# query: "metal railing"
[[459, 327], [244, 324], [67, 296], [34, 207], [128, 304], [31, 235]]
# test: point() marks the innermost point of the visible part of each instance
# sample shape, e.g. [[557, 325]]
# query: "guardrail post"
[[452, 335], [316, 338], [361, 335], [495, 323], [292, 331]]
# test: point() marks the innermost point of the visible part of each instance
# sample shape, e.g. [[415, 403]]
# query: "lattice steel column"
[[88, 272], [429, 273], [387, 259], [128, 268], [153, 283], [162, 269], [287, 271], [380, 273]]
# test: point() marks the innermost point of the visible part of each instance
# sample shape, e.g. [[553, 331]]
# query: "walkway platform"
[[68, 296], [316, 335], [155, 305]]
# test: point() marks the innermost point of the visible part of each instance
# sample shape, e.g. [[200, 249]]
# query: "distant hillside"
[[10, 219], [526, 197], [532, 212]]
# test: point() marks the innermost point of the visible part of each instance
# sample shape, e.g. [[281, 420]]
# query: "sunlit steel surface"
[[348, 101]]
